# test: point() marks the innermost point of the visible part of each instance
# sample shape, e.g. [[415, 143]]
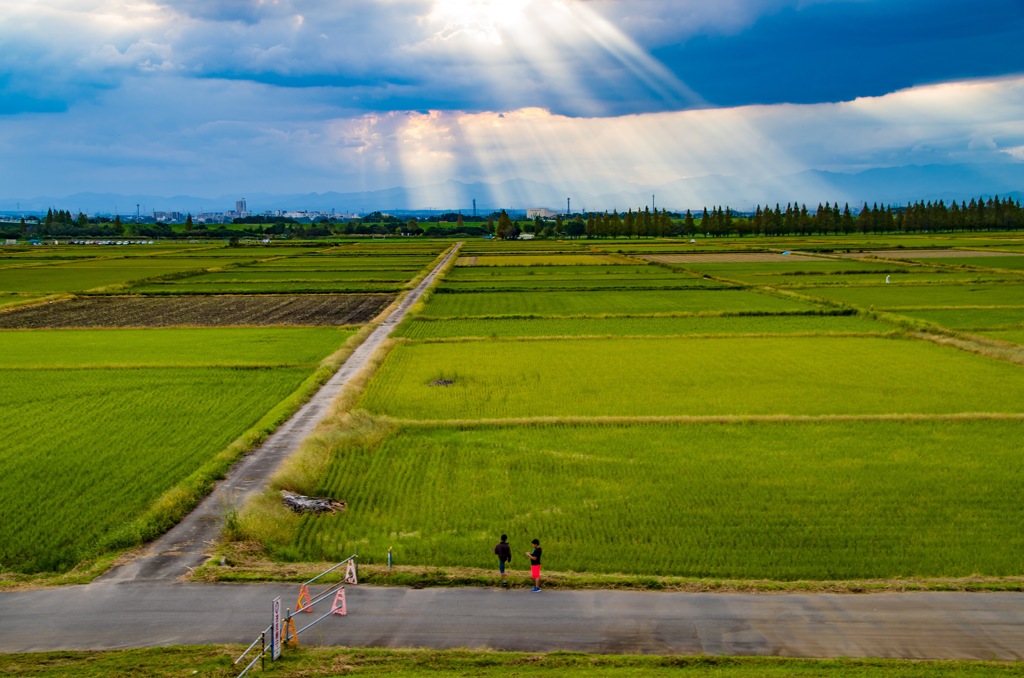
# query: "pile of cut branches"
[[302, 504]]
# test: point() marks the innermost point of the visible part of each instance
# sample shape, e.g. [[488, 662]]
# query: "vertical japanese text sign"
[[275, 634]]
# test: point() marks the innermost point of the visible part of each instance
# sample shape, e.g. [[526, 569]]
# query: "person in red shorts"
[[535, 564]]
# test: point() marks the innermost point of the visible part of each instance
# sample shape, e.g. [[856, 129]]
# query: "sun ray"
[[573, 58]]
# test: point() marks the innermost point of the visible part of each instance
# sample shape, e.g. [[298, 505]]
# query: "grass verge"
[[334, 661], [247, 562]]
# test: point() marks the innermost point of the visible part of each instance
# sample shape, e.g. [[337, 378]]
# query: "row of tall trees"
[[994, 214], [639, 224]]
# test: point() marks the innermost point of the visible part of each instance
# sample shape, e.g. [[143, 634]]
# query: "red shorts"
[[535, 571]]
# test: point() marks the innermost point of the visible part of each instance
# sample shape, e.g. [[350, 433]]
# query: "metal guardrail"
[[263, 652], [261, 640]]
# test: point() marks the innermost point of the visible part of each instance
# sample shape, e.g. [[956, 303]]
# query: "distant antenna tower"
[[653, 208], [474, 208], [568, 206]]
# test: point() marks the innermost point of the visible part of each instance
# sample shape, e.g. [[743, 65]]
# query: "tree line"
[[992, 214]]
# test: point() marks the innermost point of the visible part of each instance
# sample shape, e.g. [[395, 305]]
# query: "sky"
[[594, 98]]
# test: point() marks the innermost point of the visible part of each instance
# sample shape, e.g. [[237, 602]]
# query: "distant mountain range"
[[892, 185]]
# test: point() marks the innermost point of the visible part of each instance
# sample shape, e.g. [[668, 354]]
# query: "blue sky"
[[594, 97]]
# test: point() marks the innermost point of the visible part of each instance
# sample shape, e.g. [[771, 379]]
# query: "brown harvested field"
[[926, 254], [200, 311], [726, 258]]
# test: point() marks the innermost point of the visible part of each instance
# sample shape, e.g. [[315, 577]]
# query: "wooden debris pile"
[[303, 504]]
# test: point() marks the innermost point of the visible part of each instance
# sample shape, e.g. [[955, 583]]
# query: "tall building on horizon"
[[240, 207]]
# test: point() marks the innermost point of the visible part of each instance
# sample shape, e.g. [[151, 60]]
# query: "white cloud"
[[455, 54], [176, 135]]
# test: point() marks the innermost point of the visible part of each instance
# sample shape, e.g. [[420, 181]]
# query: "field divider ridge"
[[695, 419]]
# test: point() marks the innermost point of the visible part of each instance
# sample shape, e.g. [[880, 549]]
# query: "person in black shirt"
[[535, 564], [504, 553]]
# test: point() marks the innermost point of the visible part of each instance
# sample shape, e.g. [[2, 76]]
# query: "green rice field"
[[637, 418], [1015, 263], [690, 377], [618, 302], [907, 277], [819, 501], [1012, 336], [499, 274], [970, 318], [638, 326], [252, 275], [896, 297], [276, 287], [340, 264], [720, 433], [585, 284], [265, 347], [87, 451], [783, 266], [100, 423], [80, 277], [7, 300], [534, 259]]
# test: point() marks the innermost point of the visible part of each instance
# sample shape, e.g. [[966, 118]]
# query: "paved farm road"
[[916, 626], [141, 604]]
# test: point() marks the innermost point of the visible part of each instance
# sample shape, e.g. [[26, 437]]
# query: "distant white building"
[[540, 212], [526, 236]]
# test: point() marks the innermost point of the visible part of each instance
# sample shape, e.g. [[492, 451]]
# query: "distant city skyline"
[[603, 101]]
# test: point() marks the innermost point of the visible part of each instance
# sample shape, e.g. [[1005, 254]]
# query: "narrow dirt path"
[[186, 545]]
